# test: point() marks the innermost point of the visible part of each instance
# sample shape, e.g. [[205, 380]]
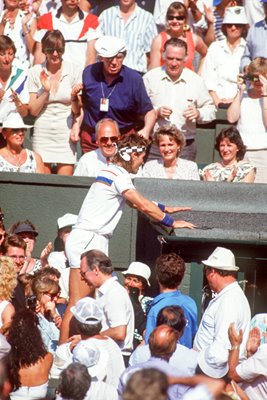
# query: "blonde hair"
[[8, 278], [173, 133], [258, 66], [42, 285]]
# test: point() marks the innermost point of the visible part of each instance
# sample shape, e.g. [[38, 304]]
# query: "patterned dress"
[[221, 173], [29, 166]]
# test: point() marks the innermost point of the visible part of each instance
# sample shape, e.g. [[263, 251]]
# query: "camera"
[[31, 302], [251, 78], [134, 292]]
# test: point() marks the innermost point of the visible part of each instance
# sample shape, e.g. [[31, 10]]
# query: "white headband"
[[125, 152]]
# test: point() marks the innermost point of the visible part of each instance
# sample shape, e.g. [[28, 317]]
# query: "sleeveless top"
[[29, 166], [3, 305], [190, 48]]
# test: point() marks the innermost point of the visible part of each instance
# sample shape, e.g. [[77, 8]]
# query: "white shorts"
[[79, 241]]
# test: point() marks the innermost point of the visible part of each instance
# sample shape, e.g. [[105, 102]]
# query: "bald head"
[[162, 342], [107, 136]]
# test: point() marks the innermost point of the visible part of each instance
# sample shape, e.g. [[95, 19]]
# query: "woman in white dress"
[[13, 156], [170, 142], [50, 85], [249, 110], [221, 65]]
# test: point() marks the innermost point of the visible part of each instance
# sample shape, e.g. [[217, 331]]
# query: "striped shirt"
[[138, 33], [218, 20]]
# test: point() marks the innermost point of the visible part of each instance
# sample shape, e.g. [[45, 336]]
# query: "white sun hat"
[[67, 220], [95, 359], [222, 259], [13, 120], [139, 269], [62, 358], [109, 46], [235, 15]]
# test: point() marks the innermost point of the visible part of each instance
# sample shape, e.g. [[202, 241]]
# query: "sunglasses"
[[105, 140], [52, 295], [177, 17], [51, 50], [236, 25], [16, 131]]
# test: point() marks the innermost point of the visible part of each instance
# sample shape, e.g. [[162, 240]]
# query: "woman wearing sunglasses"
[[176, 26], [13, 156], [50, 86], [221, 65], [47, 291]]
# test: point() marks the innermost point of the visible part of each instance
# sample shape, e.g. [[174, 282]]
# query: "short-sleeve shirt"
[[16, 82], [76, 32], [138, 33], [254, 371], [118, 310], [127, 97], [103, 206]]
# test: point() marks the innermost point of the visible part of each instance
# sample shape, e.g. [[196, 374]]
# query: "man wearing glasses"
[[107, 136], [15, 248], [112, 90]]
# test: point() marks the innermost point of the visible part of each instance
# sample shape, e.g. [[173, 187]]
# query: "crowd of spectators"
[[132, 87], [119, 334]]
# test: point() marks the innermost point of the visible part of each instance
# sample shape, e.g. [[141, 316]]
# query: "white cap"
[[208, 362], [13, 120], [87, 311], [67, 220], [139, 269], [222, 259], [62, 358], [235, 15], [94, 358], [109, 46]]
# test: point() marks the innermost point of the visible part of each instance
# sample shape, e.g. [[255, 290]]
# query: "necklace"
[[229, 165], [16, 158]]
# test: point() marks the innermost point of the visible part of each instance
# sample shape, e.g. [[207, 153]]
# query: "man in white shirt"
[[179, 95], [118, 322], [228, 305], [107, 136]]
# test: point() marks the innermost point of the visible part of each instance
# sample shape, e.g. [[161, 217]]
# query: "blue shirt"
[[256, 43], [128, 99], [175, 298]]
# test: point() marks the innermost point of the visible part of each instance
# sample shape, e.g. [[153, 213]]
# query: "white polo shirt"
[[118, 310], [103, 206]]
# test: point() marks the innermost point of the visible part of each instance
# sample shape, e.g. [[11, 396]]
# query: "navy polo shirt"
[[128, 99]]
